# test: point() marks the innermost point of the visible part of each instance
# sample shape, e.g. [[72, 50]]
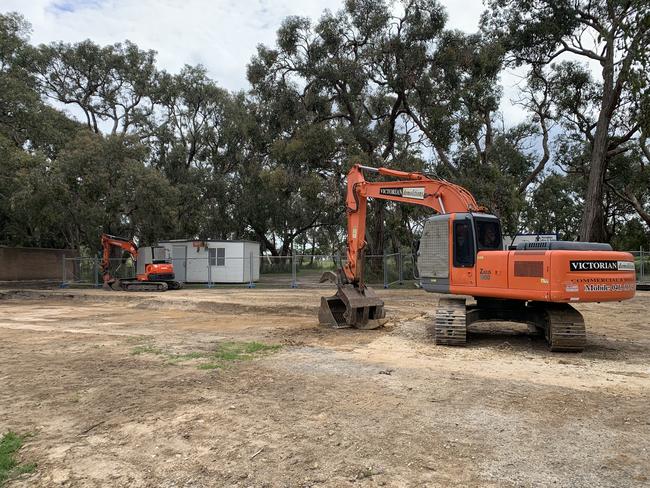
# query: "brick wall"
[[25, 263]]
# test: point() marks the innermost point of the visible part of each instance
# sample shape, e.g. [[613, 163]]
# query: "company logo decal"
[[601, 265], [485, 274], [415, 193]]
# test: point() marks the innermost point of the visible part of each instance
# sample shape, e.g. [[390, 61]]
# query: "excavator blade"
[[352, 307]]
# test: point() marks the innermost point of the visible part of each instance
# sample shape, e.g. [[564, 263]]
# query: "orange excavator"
[[461, 253], [154, 270]]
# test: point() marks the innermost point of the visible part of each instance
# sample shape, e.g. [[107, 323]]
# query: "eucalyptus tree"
[[348, 76], [110, 85], [611, 34]]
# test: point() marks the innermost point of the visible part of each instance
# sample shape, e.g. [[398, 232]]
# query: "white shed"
[[212, 261]]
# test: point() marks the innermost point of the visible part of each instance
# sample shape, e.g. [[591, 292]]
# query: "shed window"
[[217, 256]]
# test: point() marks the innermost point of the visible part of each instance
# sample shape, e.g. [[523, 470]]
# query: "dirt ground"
[[88, 374]]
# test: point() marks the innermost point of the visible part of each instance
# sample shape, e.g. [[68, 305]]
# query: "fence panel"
[[310, 268], [642, 265], [87, 271], [296, 271], [275, 271]]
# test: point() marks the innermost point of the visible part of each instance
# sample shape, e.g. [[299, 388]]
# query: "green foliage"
[[160, 155], [632, 235], [607, 113], [554, 208], [224, 353], [10, 444]]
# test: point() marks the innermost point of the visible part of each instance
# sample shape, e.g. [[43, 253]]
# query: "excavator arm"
[[110, 242], [354, 304], [414, 188]]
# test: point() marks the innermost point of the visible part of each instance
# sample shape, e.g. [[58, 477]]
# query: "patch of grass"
[[179, 358], [148, 349], [10, 444], [237, 351], [233, 351], [225, 352]]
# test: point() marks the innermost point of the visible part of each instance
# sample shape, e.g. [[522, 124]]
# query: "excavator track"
[[564, 329], [145, 286], [450, 325], [123, 285]]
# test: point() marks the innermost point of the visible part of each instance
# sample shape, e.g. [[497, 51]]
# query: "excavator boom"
[[354, 304], [414, 188]]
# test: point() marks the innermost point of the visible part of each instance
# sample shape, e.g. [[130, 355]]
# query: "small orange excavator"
[[154, 271], [461, 253]]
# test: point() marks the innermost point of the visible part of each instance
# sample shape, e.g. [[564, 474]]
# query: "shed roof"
[[181, 241]]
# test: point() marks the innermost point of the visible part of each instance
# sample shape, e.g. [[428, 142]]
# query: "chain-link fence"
[[642, 265], [246, 271], [295, 271], [87, 271]]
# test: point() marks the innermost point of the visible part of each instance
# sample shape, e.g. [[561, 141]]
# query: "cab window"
[[488, 235], [463, 245]]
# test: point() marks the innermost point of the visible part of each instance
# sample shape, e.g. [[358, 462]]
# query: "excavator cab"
[[458, 238], [154, 264]]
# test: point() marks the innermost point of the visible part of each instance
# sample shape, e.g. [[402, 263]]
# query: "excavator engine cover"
[[352, 307]]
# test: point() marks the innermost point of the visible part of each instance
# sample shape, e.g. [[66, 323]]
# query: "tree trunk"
[[592, 228]]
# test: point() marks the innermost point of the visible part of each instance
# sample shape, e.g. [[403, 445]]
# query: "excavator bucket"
[[352, 307]]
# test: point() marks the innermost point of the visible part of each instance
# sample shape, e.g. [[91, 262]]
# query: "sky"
[[220, 34]]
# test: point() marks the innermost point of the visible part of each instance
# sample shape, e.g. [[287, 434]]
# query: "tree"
[[554, 208], [614, 34], [347, 76], [108, 84]]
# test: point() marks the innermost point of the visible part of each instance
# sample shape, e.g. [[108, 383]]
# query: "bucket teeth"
[[331, 312], [352, 307]]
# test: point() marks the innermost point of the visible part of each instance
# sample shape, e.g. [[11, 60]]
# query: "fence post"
[[251, 283], [209, 270], [642, 267], [384, 265], [401, 268], [63, 281], [294, 278], [96, 271]]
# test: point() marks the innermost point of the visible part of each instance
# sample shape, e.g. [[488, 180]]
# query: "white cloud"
[[220, 34]]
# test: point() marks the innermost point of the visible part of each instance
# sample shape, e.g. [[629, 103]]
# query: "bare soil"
[[88, 374]]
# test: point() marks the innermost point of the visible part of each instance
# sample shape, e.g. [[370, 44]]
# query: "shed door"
[[179, 260]]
